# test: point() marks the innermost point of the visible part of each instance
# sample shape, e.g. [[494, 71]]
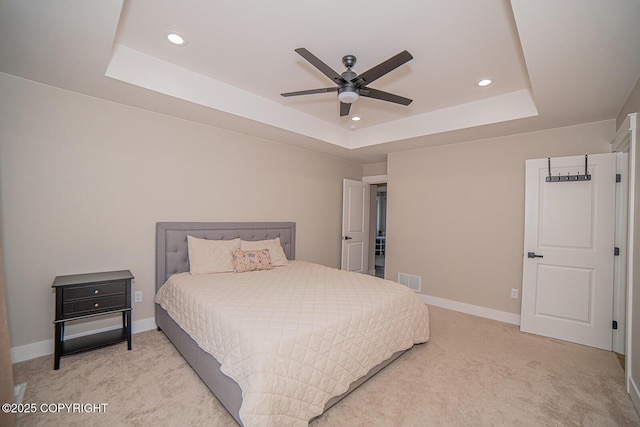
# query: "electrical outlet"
[[514, 293], [137, 296]]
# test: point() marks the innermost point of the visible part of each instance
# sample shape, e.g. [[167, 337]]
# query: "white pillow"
[[211, 256], [275, 249]]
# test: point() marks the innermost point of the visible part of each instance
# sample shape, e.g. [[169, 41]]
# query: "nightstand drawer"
[[94, 290], [94, 305]]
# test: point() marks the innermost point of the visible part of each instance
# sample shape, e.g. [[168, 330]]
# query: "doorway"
[[625, 142], [377, 224], [381, 229]]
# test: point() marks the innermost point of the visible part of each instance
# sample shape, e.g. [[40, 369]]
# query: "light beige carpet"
[[473, 372]]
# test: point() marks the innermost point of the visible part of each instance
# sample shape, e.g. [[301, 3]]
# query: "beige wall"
[[375, 169], [83, 182], [456, 212]]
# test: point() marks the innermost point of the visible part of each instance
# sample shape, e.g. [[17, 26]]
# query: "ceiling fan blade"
[[311, 91], [344, 109], [384, 96], [383, 68], [324, 68]]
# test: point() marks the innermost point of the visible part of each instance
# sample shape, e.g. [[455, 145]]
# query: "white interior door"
[[567, 285], [355, 226]]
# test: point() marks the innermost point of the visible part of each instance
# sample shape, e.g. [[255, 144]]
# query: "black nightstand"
[[80, 296]]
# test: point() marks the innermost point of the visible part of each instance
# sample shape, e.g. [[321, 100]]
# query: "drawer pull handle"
[[97, 291], [96, 305]]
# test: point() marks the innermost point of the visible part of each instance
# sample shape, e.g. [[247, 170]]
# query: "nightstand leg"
[[128, 321], [58, 346]]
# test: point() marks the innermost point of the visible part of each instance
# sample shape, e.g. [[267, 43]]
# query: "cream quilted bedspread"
[[295, 336]]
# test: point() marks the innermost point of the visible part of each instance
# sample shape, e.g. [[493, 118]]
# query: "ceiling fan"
[[352, 85]]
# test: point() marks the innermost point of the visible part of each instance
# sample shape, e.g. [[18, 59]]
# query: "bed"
[[286, 393]]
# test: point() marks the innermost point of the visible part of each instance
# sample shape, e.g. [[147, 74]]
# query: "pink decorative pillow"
[[259, 259]]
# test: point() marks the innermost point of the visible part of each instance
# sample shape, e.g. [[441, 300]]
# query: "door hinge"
[[615, 324], [616, 251], [618, 177]]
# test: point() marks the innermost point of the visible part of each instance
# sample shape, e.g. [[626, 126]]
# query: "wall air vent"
[[410, 281]]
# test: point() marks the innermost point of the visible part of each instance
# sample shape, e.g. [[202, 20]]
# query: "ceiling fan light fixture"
[[348, 95], [352, 85]]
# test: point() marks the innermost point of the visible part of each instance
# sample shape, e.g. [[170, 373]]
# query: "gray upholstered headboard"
[[171, 240]]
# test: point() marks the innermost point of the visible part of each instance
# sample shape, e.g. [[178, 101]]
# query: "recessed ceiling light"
[[485, 82], [355, 118], [176, 39]]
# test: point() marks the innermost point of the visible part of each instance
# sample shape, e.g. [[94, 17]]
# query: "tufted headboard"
[[171, 240]]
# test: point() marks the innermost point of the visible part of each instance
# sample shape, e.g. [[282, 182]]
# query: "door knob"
[[347, 238], [533, 255]]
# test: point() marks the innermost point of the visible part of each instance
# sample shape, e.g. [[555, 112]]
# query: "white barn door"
[[355, 226], [567, 285]]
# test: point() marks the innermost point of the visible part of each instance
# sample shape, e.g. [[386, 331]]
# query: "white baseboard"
[[476, 310], [635, 394], [44, 348], [143, 325], [18, 392]]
